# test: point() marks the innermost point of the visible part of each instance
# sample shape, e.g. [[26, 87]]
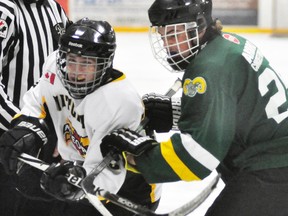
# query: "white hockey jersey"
[[81, 124]]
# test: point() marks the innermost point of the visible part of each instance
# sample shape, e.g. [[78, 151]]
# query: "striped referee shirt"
[[29, 32]]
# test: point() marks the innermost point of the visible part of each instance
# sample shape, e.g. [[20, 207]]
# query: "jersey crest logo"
[[57, 31], [50, 77], [3, 28], [192, 87], [231, 38], [72, 137]]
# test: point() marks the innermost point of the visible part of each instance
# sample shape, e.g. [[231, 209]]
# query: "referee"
[[29, 32]]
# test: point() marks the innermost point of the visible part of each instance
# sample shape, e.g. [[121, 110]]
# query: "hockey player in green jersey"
[[234, 115]]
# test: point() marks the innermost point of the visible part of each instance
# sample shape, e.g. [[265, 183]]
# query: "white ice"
[[134, 57]]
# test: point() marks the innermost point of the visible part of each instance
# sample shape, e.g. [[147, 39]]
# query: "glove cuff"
[[35, 125], [176, 111], [129, 166]]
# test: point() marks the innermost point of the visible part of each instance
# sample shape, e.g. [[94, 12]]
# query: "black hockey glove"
[[162, 111], [27, 136], [125, 140], [54, 181]]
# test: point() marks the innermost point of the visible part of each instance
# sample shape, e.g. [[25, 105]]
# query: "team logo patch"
[[231, 38], [50, 77], [192, 87], [3, 28], [58, 30], [73, 138]]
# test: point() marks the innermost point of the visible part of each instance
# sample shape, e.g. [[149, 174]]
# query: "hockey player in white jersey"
[[85, 98]]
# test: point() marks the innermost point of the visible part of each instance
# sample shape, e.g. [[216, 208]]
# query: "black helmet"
[[172, 18], [94, 40], [165, 12]]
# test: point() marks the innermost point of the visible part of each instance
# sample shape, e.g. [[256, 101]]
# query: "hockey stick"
[[88, 184], [110, 156], [141, 210], [123, 202], [41, 165]]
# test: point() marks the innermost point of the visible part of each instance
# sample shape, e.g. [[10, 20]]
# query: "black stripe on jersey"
[[4, 122], [10, 9], [26, 50], [31, 43], [59, 8], [19, 65], [4, 105], [45, 32], [8, 20], [5, 70], [55, 44], [51, 13]]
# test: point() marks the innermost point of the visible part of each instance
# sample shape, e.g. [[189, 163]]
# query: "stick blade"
[[197, 201]]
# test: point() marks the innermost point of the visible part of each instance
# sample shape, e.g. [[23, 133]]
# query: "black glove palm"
[[54, 181], [126, 140]]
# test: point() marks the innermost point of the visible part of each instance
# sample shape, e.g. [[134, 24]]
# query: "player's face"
[[80, 68], [175, 39], [174, 45]]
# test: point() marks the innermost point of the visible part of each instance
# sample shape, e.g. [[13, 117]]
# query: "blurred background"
[[263, 22], [258, 16]]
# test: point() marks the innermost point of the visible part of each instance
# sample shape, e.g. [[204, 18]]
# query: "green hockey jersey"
[[234, 113]]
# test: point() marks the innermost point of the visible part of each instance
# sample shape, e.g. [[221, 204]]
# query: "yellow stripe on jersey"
[[156, 192], [152, 194], [17, 115], [43, 111], [175, 162], [129, 166], [199, 153], [120, 78]]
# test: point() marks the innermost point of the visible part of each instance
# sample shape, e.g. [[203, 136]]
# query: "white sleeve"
[[32, 101]]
